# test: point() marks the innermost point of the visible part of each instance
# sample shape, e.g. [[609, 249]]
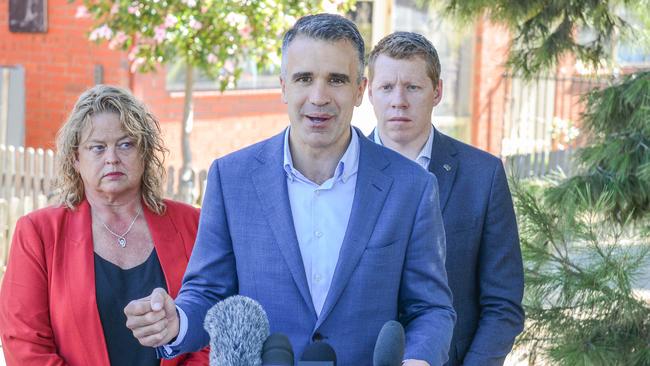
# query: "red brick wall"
[[491, 49], [215, 138], [59, 65], [223, 122]]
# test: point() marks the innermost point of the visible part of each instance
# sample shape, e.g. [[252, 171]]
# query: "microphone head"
[[238, 327], [389, 349], [277, 351], [319, 351]]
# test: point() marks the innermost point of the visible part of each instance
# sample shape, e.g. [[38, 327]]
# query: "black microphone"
[[277, 351], [389, 349], [238, 327], [318, 354]]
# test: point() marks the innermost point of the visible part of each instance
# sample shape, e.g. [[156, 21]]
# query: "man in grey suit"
[[484, 264], [313, 224]]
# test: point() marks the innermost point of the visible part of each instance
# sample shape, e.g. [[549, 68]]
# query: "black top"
[[115, 288]]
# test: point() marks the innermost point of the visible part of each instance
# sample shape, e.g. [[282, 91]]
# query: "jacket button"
[[317, 337]]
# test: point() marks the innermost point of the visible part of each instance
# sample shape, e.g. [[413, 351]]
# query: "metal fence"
[[541, 122]]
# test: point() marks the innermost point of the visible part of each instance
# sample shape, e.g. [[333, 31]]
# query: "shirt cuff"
[[169, 350]]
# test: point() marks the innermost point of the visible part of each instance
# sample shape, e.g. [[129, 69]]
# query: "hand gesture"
[[153, 319]]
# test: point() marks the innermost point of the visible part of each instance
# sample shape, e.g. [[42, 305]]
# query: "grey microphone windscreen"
[[277, 351], [238, 327], [389, 349]]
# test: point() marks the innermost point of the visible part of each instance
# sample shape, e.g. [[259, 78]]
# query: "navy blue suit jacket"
[[391, 263], [484, 265]]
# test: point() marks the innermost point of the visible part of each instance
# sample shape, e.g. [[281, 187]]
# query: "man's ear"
[[437, 93], [284, 92], [362, 89]]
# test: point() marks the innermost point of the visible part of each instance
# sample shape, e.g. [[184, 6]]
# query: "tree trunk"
[[186, 191]]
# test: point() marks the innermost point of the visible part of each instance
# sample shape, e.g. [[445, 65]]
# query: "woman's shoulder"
[[180, 209], [51, 213]]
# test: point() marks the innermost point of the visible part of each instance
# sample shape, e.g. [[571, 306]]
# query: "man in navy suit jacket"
[[332, 234], [484, 264]]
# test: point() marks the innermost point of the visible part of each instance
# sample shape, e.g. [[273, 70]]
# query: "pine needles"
[[580, 273]]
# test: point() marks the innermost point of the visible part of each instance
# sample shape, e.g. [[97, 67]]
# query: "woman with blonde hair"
[[73, 267]]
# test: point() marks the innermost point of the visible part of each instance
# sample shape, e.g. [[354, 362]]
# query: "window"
[[251, 78]]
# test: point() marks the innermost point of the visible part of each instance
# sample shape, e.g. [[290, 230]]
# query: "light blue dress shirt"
[[320, 216], [424, 157]]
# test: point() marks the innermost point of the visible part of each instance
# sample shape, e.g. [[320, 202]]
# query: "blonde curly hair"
[[138, 123]]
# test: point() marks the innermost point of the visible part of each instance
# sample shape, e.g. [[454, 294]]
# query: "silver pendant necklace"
[[121, 239]]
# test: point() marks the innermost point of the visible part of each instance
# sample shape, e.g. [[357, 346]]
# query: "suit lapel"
[[270, 183], [443, 165], [169, 248], [369, 195], [80, 283]]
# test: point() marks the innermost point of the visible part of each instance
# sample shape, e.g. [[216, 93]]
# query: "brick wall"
[[59, 65], [218, 137], [491, 49], [223, 122]]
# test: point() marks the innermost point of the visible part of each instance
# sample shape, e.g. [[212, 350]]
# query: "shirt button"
[[317, 193], [318, 234], [317, 278]]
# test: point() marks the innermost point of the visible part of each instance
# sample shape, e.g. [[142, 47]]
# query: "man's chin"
[[398, 135]]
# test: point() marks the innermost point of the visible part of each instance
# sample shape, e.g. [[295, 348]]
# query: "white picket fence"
[[26, 184], [26, 179]]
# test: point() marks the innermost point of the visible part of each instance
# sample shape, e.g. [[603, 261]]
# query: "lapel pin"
[[447, 167]]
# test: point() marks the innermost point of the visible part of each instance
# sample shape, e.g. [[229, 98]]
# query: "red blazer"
[[48, 311]]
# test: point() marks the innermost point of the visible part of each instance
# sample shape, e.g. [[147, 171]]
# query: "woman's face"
[[108, 159]]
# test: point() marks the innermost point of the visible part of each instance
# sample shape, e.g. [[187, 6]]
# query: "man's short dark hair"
[[404, 46], [326, 27]]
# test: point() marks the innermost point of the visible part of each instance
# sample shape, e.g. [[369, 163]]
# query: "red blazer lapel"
[[79, 269], [169, 247]]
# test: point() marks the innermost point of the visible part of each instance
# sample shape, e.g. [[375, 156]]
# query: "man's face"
[[320, 87], [403, 97]]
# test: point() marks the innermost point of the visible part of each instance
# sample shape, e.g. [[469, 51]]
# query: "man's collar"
[[426, 149], [347, 166]]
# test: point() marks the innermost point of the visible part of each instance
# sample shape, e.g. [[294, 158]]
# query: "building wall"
[[488, 94], [59, 65], [223, 122]]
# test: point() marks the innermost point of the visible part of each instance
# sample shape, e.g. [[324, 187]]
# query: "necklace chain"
[[121, 239]]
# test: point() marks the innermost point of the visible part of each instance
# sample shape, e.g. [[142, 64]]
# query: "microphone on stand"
[[238, 327], [389, 349], [277, 351], [318, 354]]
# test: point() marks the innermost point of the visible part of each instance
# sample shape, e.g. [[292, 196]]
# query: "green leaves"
[[581, 269], [546, 30], [215, 36], [615, 164]]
